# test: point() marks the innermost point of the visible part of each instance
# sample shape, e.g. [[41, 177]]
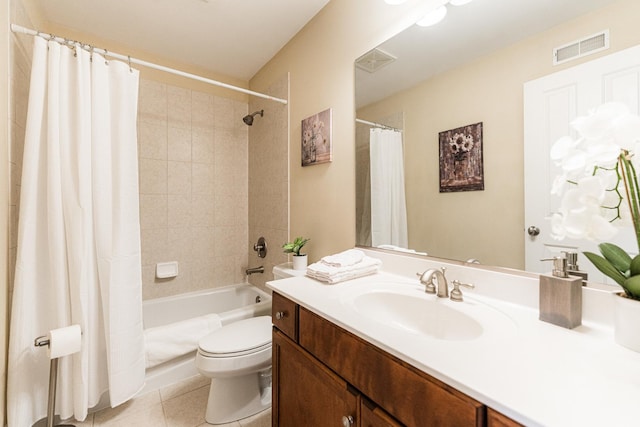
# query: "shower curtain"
[[388, 206], [78, 256]]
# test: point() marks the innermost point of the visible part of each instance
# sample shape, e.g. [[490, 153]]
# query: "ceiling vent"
[[579, 48], [373, 60]]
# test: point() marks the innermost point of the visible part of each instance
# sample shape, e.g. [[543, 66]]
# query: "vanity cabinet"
[[325, 376]]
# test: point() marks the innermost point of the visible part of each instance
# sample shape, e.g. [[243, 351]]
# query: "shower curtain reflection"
[[388, 206], [78, 254]]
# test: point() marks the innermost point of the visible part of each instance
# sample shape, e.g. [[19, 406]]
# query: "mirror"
[[468, 69]]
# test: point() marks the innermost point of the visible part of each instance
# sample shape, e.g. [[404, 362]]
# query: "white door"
[[550, 104]]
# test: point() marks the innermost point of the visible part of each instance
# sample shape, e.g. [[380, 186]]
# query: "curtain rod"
[[19, 29], [377, 125]]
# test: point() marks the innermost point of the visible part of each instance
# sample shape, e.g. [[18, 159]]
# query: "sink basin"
[[433, 317], [407, 308]]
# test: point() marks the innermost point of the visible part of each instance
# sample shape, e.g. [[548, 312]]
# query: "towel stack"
[[346, 265]]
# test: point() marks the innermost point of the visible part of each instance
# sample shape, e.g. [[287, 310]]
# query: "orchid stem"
[[632, 191]]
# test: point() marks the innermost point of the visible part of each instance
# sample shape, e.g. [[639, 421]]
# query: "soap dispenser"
[[572, 267], [561, 296]]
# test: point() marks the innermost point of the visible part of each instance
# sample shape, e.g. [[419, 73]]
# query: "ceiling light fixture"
[[433, 17]]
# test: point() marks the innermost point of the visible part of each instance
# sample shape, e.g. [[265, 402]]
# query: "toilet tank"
[[283, 271]]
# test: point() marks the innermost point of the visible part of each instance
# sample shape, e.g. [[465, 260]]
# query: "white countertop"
[[535, 373]]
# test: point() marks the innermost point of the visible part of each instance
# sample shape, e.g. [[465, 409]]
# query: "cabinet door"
[[496, 419], [305, 392], [373, 416]]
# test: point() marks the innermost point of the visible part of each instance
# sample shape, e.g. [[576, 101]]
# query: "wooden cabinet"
[[323, 374], [496, 419], [306, 393], [285, 315], [373, 416]]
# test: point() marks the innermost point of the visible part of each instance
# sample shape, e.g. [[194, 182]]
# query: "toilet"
[[283, 271], [237, 358]]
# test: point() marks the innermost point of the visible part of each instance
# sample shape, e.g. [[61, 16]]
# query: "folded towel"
[[331, 274], [344, 259], [167, 342]]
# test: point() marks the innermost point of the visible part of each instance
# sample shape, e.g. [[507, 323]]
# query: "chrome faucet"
[[427, 277]]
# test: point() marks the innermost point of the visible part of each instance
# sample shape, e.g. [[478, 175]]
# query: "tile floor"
[[178, 405]]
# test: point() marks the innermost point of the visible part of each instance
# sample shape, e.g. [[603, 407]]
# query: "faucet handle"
[[456, 293], [430, 288]]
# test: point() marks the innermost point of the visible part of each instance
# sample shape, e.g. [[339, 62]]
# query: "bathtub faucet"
[[250, 271]]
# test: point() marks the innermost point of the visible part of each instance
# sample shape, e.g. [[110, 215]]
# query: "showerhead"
[[248, 119]]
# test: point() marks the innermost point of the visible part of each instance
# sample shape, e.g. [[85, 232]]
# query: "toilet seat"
[[238, 339]]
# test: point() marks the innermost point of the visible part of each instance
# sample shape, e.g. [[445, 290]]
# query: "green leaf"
[[632, 286], [295, 246], [617, 256], [635, 266], [606, 267]]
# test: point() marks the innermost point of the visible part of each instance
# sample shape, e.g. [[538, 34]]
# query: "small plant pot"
[[300, 262], [626, 321]]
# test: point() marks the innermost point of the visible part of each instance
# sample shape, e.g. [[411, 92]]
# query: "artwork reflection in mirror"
[[461, 159]]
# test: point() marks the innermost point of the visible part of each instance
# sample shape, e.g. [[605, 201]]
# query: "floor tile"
[[187, 410], [184, 386], [263, 419], [147, 403]]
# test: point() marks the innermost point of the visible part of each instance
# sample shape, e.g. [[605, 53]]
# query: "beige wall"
[[487, 225], [320, 60], [4, 197]]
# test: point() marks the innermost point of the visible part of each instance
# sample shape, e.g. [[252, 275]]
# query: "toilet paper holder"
[[43, 341]]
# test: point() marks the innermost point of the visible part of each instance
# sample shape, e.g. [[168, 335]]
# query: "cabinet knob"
[[347, 421], [280, 315]]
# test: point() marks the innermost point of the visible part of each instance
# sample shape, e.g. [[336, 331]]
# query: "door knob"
[[533, 231], [347, 421]]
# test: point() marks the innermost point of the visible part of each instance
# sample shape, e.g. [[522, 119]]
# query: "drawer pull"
[[347, 421], [280, 315]]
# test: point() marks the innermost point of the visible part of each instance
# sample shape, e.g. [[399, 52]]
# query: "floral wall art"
[[461, 159], [316, 139]]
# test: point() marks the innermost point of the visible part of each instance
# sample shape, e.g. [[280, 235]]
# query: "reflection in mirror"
[[471, 68]]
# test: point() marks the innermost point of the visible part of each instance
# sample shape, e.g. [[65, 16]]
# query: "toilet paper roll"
[[64, 341]]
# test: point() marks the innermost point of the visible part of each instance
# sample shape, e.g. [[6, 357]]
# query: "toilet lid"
[[239, 337]]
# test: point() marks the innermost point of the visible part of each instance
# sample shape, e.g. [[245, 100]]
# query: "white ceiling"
[[230, 37], [467, 32]]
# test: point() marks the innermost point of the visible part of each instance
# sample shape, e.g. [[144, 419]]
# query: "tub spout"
[[250, 271]]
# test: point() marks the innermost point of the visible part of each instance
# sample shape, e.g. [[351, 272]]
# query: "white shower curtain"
[[78, 256], [388, 206]]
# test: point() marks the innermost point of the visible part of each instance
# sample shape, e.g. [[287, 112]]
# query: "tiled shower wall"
[[19, 71], [193, 188], [269, 179]]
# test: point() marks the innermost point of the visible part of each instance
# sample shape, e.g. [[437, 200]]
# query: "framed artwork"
[[461, 166], [316, 139]]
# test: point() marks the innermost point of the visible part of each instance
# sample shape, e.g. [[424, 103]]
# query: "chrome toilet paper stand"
[[53, 380]]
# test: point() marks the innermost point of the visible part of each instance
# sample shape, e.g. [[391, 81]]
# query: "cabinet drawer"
[[406, 393], [285, 315]]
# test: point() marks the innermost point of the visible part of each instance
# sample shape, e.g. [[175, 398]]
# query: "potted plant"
[[599, 188], [299, 260]]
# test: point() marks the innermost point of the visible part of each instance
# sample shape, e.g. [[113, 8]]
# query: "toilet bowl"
[[237, 358]]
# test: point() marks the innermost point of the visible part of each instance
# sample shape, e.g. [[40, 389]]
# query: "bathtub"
[[232, 303]]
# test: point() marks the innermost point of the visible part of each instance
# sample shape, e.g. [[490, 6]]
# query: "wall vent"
[[373, 60], [579, 48]]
